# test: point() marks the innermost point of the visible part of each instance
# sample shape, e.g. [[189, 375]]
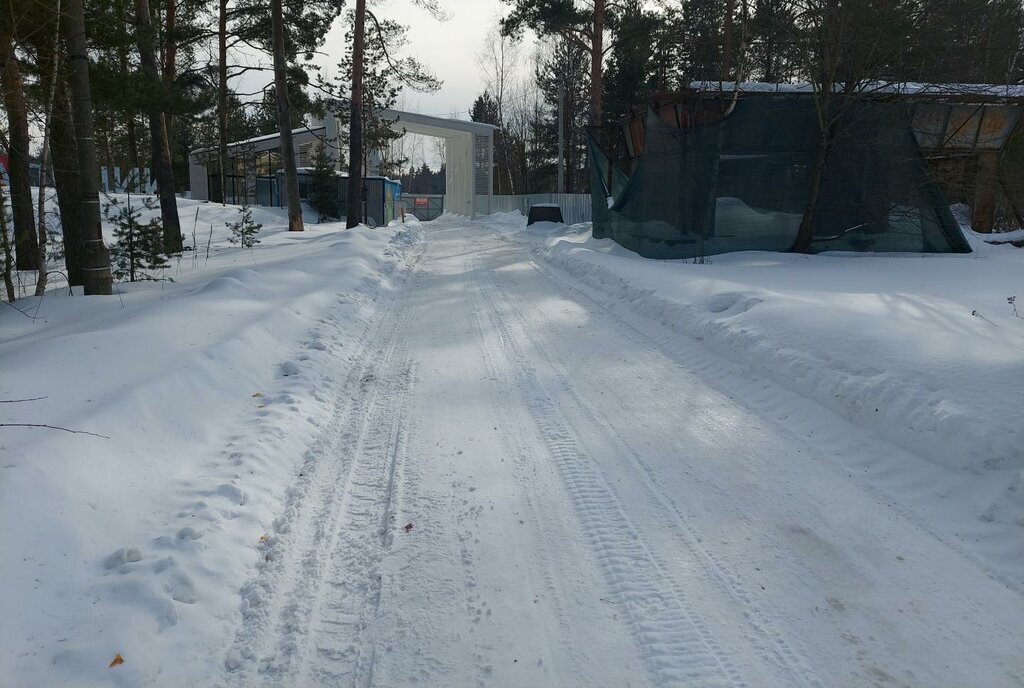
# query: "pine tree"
[[487, 110], [95, 264], [244, 231], [160, 153], [630, 74], [696, 54], [374, 75], [280, 54], [774, 41], [568, 63], [16, 143], [291, 32], [356, 148], [581, 24], [324, 187], [965, 41], [138, 250]]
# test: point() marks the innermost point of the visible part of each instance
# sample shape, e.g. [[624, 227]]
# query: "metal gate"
[[423, 206]]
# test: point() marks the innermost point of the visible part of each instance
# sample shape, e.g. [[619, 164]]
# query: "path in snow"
[[593, 503]]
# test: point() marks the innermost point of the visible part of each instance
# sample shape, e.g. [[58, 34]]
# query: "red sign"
[[421, 202]]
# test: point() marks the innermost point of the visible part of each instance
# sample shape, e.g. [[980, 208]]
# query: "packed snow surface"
[[475, 453]]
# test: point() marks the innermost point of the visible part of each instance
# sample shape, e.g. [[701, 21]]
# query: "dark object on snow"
[[544, 212]]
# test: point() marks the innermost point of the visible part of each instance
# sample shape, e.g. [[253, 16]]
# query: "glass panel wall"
[[251, 179]]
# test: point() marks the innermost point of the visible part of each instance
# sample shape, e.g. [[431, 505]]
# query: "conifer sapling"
[[244, 231]]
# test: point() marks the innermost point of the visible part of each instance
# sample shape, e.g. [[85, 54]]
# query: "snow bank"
[[511, 221], [925, 351], [209, 390]]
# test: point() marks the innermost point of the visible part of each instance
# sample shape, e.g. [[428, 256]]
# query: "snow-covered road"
[[519, 487]]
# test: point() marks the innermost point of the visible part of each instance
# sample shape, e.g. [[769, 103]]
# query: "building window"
[[307, 153], [263, 164]]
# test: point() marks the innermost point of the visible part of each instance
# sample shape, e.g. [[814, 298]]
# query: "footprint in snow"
[[283, 398], [721, 303], [176, 582], [120, 558], [289, 369], [184, 538], [232, 493], [194, 509]]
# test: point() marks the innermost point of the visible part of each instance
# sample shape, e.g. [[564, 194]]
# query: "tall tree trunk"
[[170, 57], [829, 107], [26, 249], [106, 134], [134, 176], [222, 98], [5, 252], [170, 70], [135, 159], [166, 151], [66, 177], [728, 39], [805, 232], [597, 64], [43, 163], [157, 134], [95, 259], [44, 156], [284, 119], [353, 213], [826, 139]]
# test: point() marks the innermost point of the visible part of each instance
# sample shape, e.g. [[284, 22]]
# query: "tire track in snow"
[[770, 643], [783, 408], [434, 541], [498, 367], [327, 510], [676, 644], [340, 647]]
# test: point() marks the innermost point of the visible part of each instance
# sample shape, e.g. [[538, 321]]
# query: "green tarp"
[[743, 183]]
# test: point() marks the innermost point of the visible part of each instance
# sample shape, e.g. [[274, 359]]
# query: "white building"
[[254, 164]]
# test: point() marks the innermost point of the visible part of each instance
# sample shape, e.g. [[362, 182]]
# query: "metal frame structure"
[[469, 157]]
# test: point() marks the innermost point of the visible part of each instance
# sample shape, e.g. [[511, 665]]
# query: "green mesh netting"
[[743, 183]]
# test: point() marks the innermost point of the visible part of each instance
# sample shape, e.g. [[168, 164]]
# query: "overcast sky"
[[448, 49]]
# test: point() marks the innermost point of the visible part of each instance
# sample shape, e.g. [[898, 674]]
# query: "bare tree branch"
[[52, 427]]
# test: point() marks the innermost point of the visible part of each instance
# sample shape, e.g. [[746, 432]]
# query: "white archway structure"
[[469, 157]]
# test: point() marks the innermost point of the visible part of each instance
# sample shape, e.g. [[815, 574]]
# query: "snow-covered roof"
[[260, 139], [898, 88]]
